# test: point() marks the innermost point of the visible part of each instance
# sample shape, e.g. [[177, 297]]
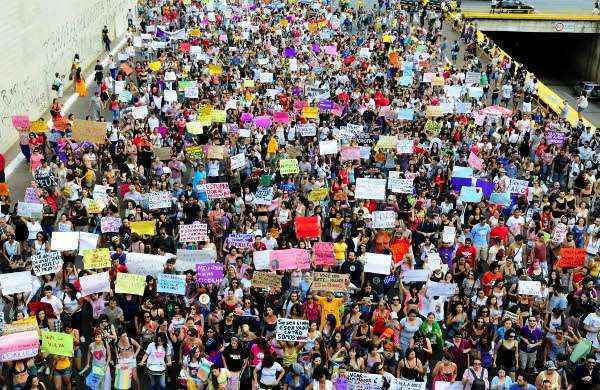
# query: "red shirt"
[[469, 252], [500, 232]]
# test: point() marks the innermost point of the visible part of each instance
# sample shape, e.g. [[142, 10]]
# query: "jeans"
[[527, 360], [158, 382]]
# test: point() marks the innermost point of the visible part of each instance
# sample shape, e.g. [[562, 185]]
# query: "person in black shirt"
[[354, 268]]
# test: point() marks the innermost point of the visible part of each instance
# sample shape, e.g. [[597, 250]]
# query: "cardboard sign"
[[238, 161], [217, 190], [362, 381], [288, 166], [291, 259], [261, 279], [209, 273], [19, 346], [530, 287], [127, 283], [163, 153], [571, 257], [64, 241], [415, 275], [327, 281], [159, 200], [188, 258], [367, 188], [405, 384], [441, 289], [110, 224], [193, 232], [92, 131], [171, 284], [291, 330], [324, 254], [143, 228], [401, 186], [383, 219], [377, 263], [44, 263], [96, 258], [307, 227], [57, 343], [15, 282], [95, 283]]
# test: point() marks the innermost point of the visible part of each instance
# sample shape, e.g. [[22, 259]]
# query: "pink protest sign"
[[20, 121], [324, 253], [19, 346], [289, 259], [281, 117]]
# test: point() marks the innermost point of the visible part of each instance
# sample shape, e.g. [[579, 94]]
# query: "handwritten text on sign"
[[193, 232], [292, 330], [46, 263]]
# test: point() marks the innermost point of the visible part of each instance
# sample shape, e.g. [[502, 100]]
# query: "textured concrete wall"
[[39, 38], [539, 26]]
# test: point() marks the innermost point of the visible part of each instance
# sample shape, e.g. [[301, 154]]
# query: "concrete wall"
[[539, 26], [586, 62], [39, 38]]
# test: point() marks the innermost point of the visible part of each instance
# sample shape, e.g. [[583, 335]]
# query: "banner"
[[288, 166], [517, 186], [284, 259], [475, 162], [57, 343], [324, 254], [43, 263], [449, 234], [193, 232], [159, 200], [530, 287], [95, 283], [362, 381], [110, 224], [30, 210], [571, 257], [240, 240], [415, 275], [171, 284], [217, 190], [263, 195], [261, 279], [318, 194], [27, 324], [307, 227], [383, 219], [18, 346], [327, 281], [96, 258], [441, 289], [376, 263], [291, 330], [130, 283], [15, 282], [209, 273], [367, 188], [143, 228]]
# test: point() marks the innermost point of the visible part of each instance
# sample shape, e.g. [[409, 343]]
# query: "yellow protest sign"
[[434, 111], [387, 142], [26, 324], [318, 194], [57, 343], [313, 27], [130, 284], [310, 112], [96, 258], [205, 120], [206, 110], [215, 70], [219, 116], [155, 66], [195, 32], [288, 166], [39, 126], [388, 38], [144, 228], [438, 81], [194, 127], [248, 83], [283, 22], [93, 206]]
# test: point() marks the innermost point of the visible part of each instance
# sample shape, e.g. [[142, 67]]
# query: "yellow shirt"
[[339, 249], [62, 362], [273, 146], [332, 307]]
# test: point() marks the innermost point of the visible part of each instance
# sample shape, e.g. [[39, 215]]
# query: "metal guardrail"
[[531, 16]]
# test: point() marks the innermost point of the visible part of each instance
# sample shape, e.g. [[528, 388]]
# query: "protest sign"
[[96, 258], [19, 346], [238, 161], [475, 162], [188, 258], [263, 195], [20, 121], [383, 219], [110, 224], [91, 131], [407, 114], [145, 264], [57, 343], [405, 384], [441, 289], [127, 283], [324, 254], [571, 257], [555, 138], [449, 234], [307, 227], [240, 240], [140, 112], [143, 228], [470, 194], [87, 241], [291, 259], [362, 381], [367, 188], [159, 200], [500, 198], [415, 275], [288, 166], [350, 154], [31, 195], [45, 178], [405, 146], [400, 186], [171, 284], [327, 281], [472, 78], [440, 385], [24, 325], [307, 129], [291, 330], [262, 259], [43, 263], [15, 282], [30, 210], [328, 147], [93, 206], [387, 142], [94, 283], [64, 241], [530, 287], [209, 273], [517, 186], [261, 279], [559, 233], [464, 172], [318, 194], [193, 232], [217, 190], [377, 263], [163, 153]]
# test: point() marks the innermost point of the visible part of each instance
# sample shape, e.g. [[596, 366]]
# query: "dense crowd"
[[303, 195]]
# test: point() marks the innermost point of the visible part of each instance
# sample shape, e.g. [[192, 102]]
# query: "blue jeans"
[[157, 382]]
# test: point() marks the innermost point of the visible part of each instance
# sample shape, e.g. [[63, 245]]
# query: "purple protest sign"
[[555, 138], [316, 48], [325, 104], [209, 272], [246, 117], [289, 52], [263, 121]]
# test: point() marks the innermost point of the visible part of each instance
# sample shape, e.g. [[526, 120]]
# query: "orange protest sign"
[[3, 189], [571, 257], [399, 250]]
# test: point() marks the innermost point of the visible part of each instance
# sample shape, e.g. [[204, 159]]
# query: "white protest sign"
[[159, 200], [30, 210], [217, 190], [193, 232], [110, 224], [367, 188], [328, 147], [87, 241], [415, 275], [170, 95], [530, 287], [291, 330], [238, 161], [15, 282], [145, 264], [377, 263], [362, 381], [188, 258], [261, 259], [559, 233], [405, 146], [383, 219], [64, 241], [139, 112], [439, 385], [441, 289], [406, 384], [448, 234], [517, 186], [95, 283], [400, 186], [307, 130], [43, 263]]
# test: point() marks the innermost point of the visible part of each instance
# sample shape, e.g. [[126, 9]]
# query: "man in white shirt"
[[515, 223], [53, 301]]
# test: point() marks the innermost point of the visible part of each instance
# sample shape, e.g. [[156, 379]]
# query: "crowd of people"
[[303, 195]]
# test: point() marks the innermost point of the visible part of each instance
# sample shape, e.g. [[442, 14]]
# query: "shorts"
[[64, 372]]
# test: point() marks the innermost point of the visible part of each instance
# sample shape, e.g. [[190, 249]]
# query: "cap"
[[550, 365]]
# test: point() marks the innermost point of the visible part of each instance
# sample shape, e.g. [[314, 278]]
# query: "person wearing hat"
[[549, 374], [295, 379]]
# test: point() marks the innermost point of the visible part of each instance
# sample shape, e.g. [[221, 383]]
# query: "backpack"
[[478, 383]]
